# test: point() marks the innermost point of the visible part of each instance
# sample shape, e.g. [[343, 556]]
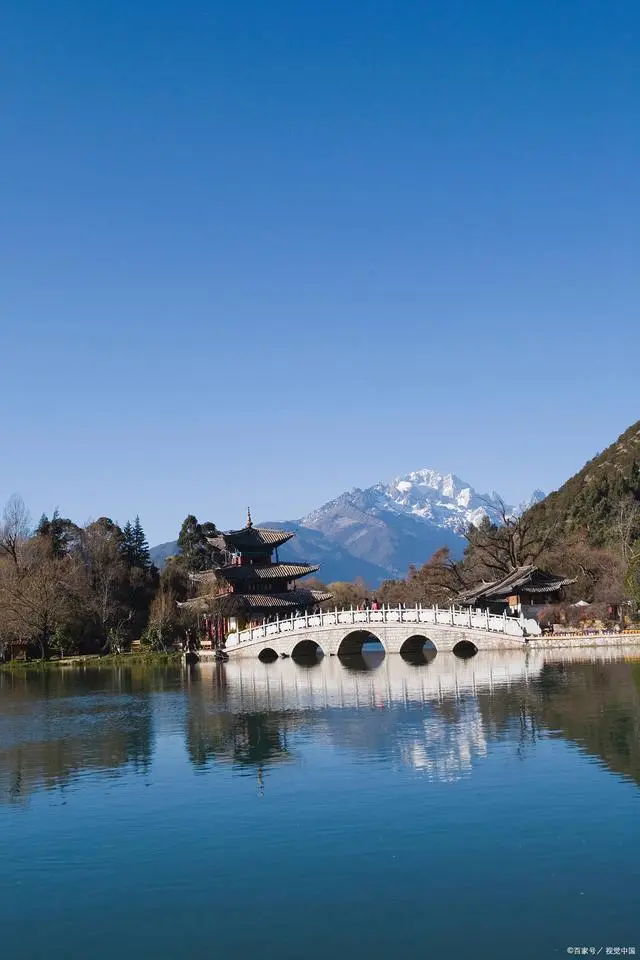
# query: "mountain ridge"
[[380, 531]]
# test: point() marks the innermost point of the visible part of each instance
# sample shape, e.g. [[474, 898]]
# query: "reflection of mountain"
[[51, 732], [253, 717], [448, 748], [437, 718]]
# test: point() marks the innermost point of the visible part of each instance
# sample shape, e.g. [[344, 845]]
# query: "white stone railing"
[[467, 617]]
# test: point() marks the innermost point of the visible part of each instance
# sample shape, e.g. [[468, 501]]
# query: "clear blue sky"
[[262, 252]]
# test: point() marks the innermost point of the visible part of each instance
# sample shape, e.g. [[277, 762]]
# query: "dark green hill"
[[592, 499]]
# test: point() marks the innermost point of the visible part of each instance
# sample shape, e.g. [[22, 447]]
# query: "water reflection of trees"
[[593, 704], [220, 728], [56, 725], [244, 739]]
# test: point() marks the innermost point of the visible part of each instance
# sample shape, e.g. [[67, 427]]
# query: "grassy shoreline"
[[95, 660]]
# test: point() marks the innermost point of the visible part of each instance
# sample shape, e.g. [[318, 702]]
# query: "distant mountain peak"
[[380, 530], [404, 521]]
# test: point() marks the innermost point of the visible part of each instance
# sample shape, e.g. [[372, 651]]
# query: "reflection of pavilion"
[[265, 705], [437, 718]]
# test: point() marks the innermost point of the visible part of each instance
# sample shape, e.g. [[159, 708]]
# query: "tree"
[[37, 594], [14, 527], [496, 549], [196, 553], [141, 552], [435, 582], [632, 581], [106, 575], [345, 594], [128, 548], [626, 527], [61, 532]]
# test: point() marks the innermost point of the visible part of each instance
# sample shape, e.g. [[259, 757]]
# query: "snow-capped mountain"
[[442, 499], [378, 532], [404, 522]]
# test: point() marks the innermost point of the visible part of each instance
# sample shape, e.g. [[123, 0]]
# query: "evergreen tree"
[[141, 552], [196, 553], [60, 531], [44, 526], [128, 544]]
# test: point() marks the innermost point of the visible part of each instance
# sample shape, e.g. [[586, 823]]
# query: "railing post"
[[470, 618], [487, 615], [435, 613], [504, 621], [453, 615], [306, 619]]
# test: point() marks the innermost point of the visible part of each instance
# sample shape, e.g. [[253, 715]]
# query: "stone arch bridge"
[[398, 629]]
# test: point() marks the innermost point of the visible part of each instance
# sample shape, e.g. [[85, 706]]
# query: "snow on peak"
[[443, 500]]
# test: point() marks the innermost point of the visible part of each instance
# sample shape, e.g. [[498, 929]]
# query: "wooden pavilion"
[[250, 584]]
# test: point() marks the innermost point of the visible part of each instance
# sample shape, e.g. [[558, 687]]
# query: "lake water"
[[480, 808]]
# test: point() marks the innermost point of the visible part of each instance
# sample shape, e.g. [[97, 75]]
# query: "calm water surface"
[[480, 808]]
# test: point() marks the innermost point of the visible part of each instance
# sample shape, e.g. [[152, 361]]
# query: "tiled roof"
[[232, 603], [272, 571], [528, 578], [249, 538]]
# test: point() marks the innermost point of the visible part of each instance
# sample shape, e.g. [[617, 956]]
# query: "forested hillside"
[[600, 498], [589, 530]]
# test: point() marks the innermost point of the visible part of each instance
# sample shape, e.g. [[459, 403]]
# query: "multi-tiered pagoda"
[[250, 584]]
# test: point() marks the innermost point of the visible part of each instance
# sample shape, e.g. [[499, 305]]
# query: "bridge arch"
[[465, 649], [356, 643], [418, 648], [307, 651], [267, 655]]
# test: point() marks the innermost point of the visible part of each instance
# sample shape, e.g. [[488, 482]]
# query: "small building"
[[526, 590], [250, 584]]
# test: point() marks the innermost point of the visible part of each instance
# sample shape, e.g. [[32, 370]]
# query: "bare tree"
[[627, 528], [14, 527], [104, 572], [508, 542], [36, 594]]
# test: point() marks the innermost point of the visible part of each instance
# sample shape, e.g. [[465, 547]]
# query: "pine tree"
[[60, 532], [128, 545], [44, 526], [141, 550]]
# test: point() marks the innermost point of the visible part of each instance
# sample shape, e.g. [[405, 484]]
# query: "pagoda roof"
[[250, 538], [272, 571], [527, 578], [231, 604]]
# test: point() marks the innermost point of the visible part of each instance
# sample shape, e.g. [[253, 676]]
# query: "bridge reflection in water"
[[369, 679], [438, 718], [427, 717]]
